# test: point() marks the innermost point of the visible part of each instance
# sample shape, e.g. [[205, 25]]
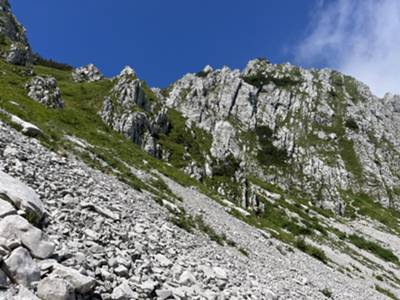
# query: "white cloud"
[[358, 37]]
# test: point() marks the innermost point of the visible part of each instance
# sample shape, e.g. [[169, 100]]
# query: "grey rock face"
[[55, 289], [45, 91], [22, 268], [17, 49], [89, 73], [311, 117], [23, 197], [15, 227], [129, 111]]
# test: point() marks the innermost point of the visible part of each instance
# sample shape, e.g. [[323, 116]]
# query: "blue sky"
[[163, 39]]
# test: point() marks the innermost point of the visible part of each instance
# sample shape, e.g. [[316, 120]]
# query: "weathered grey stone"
[[123, 292], [55, 289], [81, 283], [88, 73], [16, 227], [187, 278], [22, 268], [27, 128], [23, 197], [24, 294], [45, 91]]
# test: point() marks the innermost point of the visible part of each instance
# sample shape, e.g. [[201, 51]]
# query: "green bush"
[[352, 124], [374, 248], [311, 250], [182, 221], [40, 61], [201, 74], [327, 292], [214, 236], [227, 167], [269, 154], [386, 292]]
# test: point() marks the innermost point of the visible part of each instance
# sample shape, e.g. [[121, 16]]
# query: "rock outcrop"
[[45, 91], [89, 73], [324, 125], [130, 111], [14, 46]]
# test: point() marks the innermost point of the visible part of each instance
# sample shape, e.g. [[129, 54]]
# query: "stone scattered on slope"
[[23, 294], [88, 73], [52, 288], [22, 268], [45, 91], [27, 128], [23, 197], [123, 292], [81, 283], [15, 227]]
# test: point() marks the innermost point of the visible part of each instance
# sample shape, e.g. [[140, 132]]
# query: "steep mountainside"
[[272, 182]]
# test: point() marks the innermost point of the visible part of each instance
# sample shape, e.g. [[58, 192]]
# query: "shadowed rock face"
[[14, 47]]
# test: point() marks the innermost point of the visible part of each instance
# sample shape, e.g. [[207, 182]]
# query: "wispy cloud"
[[357, 37]]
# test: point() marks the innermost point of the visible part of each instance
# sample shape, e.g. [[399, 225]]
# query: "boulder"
[[21, 267], [26, 127], [22, 196], [81, 283], [187, 278], [55, 289], [24, 294], [45, 91], [123, 292], [15, 227]]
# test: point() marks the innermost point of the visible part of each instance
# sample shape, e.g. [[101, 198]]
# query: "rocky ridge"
[[267, 117]]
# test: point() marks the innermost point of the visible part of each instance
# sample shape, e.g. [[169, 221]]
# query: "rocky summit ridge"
[[271, 182]]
